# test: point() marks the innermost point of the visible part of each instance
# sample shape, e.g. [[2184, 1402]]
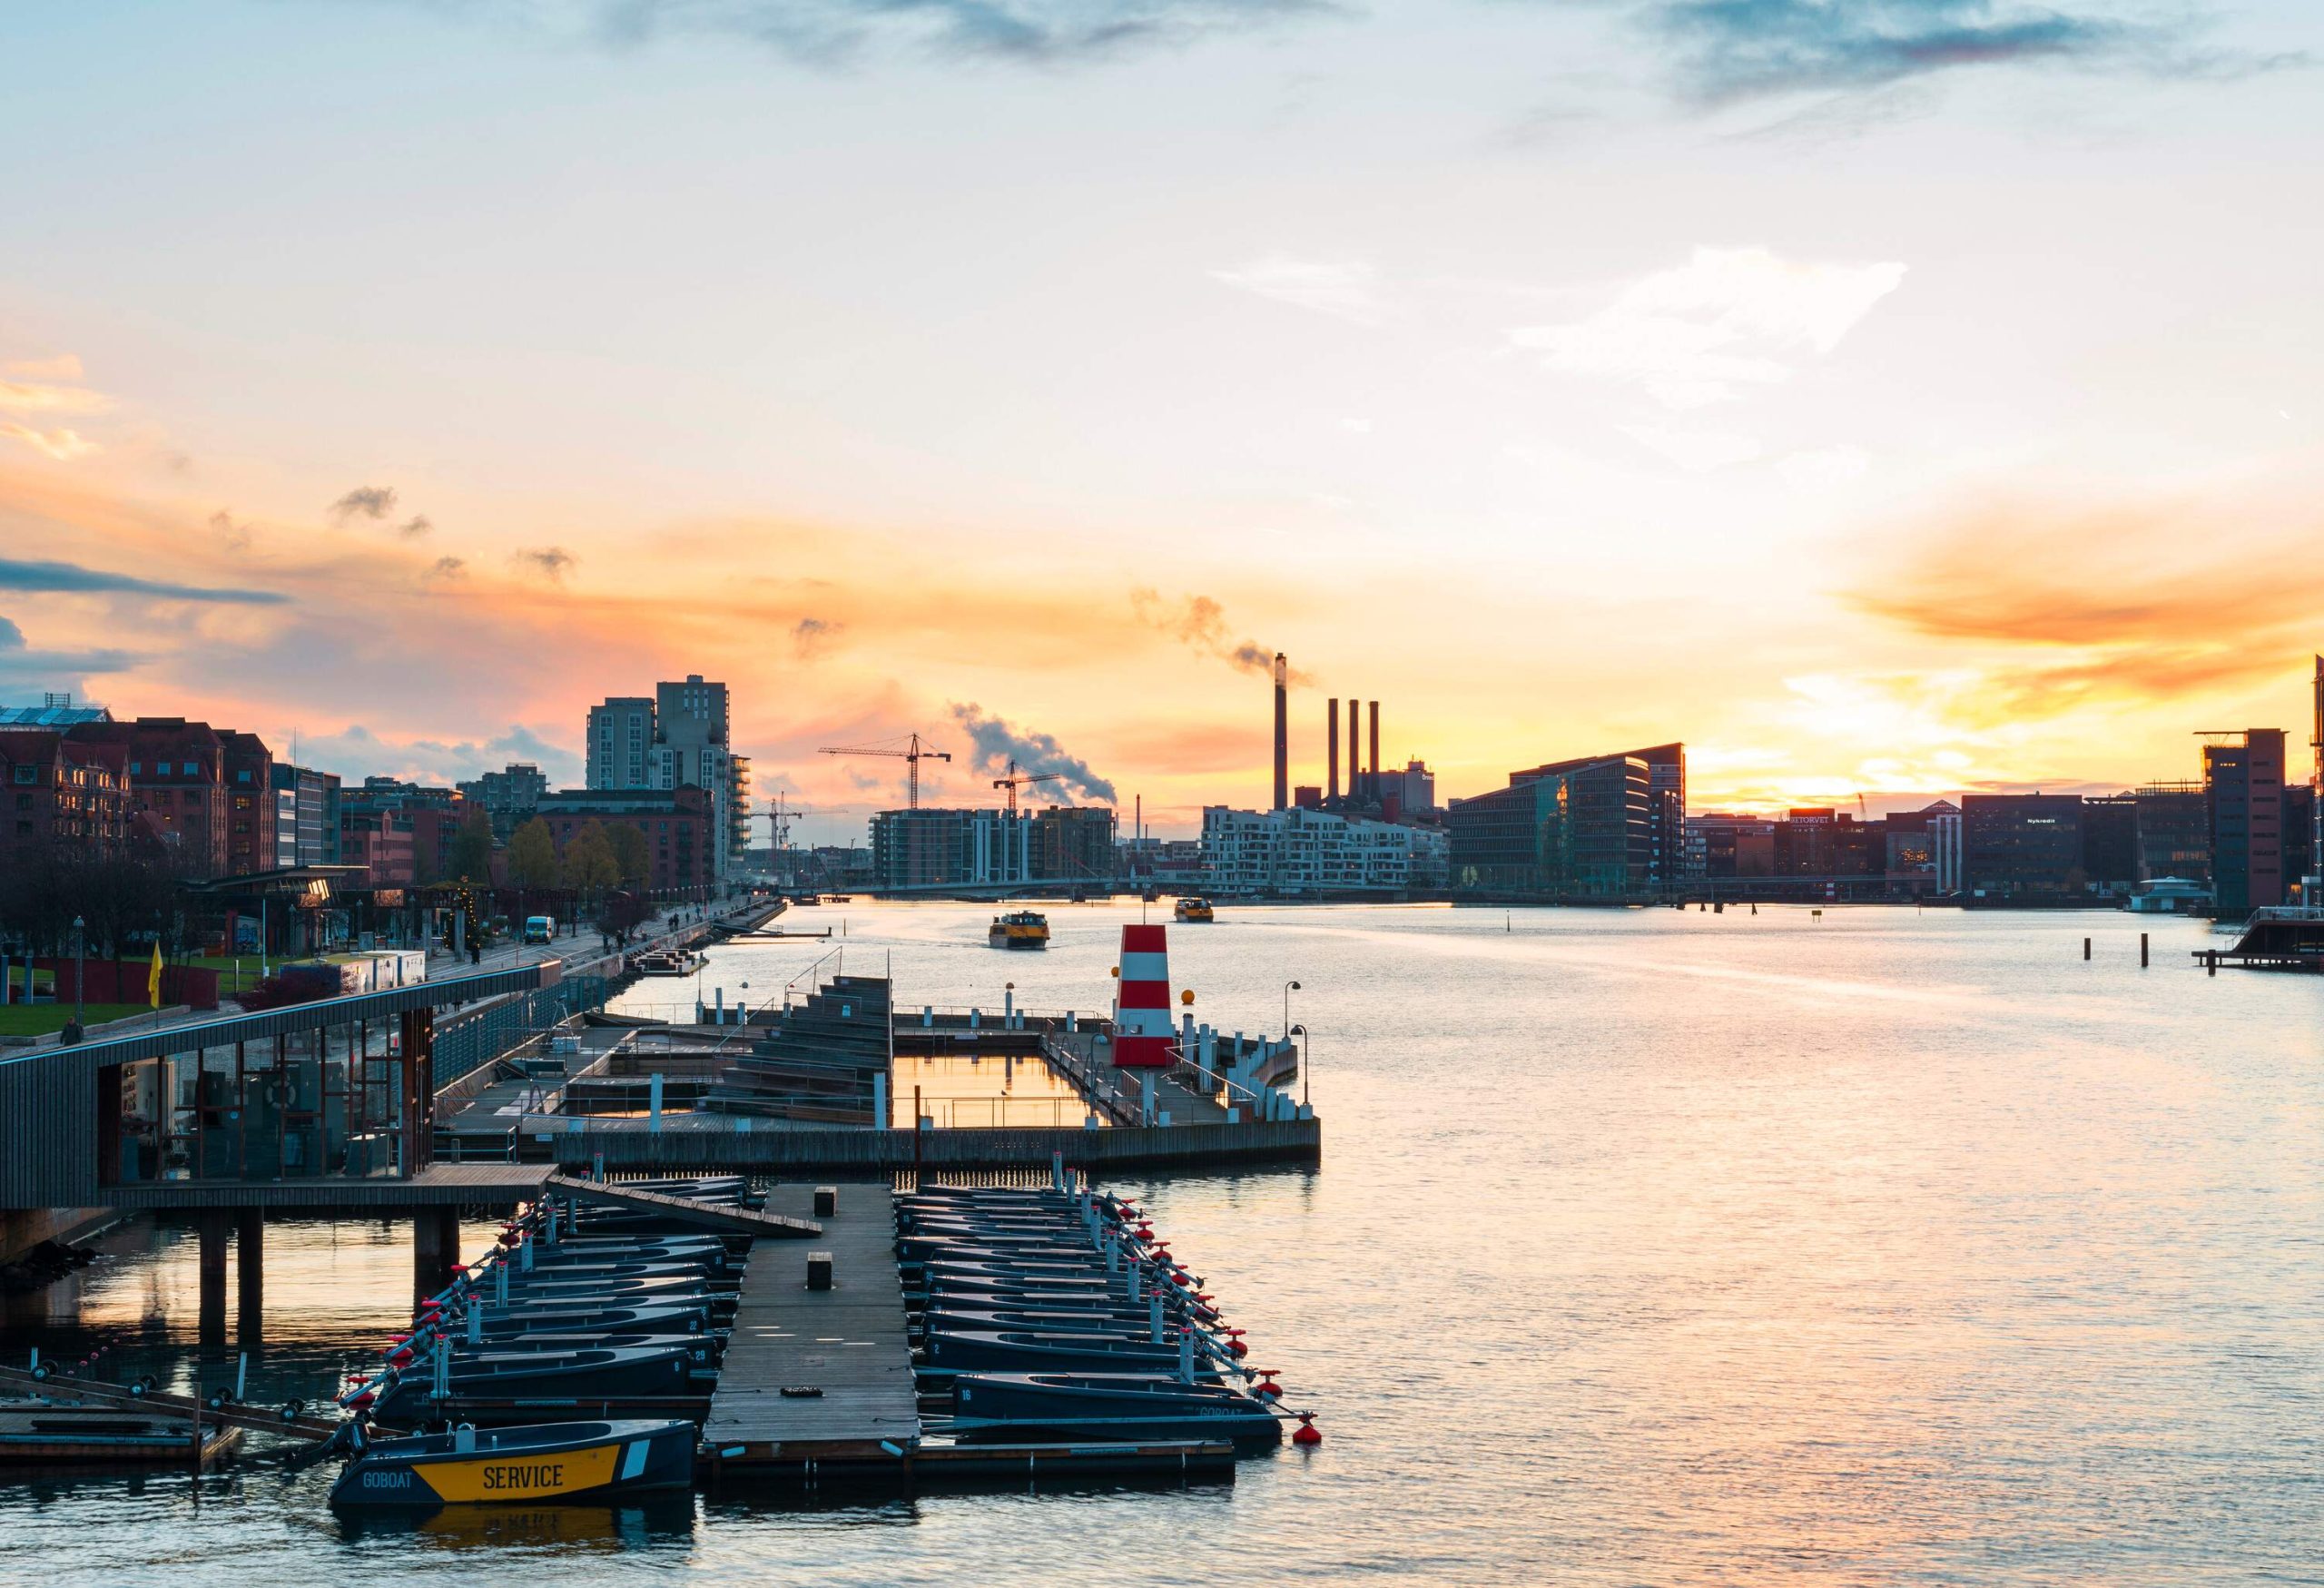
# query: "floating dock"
[[819, 1379]]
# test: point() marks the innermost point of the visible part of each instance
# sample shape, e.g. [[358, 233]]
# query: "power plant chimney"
[[1371, 785], [1355, 753], [1332, 755], [1281, 733]]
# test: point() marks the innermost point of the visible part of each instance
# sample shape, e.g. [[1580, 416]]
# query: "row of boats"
[[1049, 1314], [578, 1312]]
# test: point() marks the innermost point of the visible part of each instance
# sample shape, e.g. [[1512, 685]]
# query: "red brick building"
[[679, 826], [56, 792], [249, 771], [177, 778], [381, 842]]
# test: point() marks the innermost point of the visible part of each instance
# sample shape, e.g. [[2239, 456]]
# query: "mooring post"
[[1187, 1351], [1137, 1282], [2142, 951], [2085, 948], [250, 1271], [2210, 959], [476, 1321], [1154, 1315], [653, 1103], [213, 1224]]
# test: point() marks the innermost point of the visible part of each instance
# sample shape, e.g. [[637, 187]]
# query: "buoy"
[[1306, 1434]]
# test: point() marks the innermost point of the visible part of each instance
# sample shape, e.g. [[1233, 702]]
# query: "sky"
[[1885, 398]]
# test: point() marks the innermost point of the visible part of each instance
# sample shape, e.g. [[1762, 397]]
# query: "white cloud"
[[1728, 320], [64, 367], [34, 397], [1344, 289], [61, 445], [1695, 451]]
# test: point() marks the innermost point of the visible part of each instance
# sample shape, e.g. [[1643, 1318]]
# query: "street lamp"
[[80, 931], [1301, 1033], [1288, 989]]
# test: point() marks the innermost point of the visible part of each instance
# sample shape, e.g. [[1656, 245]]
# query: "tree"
[[532, 856], [472, 850], [590, 867], [630, 851]]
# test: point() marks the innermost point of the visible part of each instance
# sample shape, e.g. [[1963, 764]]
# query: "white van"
[[540, 929]]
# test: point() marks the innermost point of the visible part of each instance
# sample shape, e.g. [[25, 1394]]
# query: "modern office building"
[[2244, 786], [1586, 829], [2174, 831], [1299, 853], [2110, 845], [1722, 843], [2022, 849], [1073, 843], [306, 816]]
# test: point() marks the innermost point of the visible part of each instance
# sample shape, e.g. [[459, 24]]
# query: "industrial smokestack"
[[1372, 785], [1332, 754], [1281, 732], [1355, 753]]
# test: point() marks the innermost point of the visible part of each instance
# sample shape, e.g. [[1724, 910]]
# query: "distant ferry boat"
[[1195, 910], [1023, 929]]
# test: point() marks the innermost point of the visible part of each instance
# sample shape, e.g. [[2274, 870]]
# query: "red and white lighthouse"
[[1144, 1033]]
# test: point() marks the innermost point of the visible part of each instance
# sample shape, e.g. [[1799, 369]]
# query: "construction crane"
[[1017, 780], [914, 753]]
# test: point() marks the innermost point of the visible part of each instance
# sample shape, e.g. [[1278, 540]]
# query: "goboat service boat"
[[1195, 910], [546, 1460], [1020, 929]]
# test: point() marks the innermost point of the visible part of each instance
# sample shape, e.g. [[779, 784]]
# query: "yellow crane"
[[912, 752], [1017, 780]]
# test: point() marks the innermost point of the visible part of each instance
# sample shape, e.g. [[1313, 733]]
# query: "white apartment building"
[[621, 740], [674, 737], [1302, 854]]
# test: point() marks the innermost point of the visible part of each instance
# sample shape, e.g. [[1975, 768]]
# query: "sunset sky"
[[1894, 397]]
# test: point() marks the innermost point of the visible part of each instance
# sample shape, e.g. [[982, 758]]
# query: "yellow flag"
[[153, 983]]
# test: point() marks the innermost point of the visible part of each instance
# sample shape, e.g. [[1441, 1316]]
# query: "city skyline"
[[1848, 410]]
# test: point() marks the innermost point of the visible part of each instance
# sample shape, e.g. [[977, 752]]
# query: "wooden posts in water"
[[2142, 951], [250, 1274], [212, 1226], [435, 1248], [2085, 948]]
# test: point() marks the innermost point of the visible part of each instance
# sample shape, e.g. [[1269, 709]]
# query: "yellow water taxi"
[[1021, 929], [1193, 910]]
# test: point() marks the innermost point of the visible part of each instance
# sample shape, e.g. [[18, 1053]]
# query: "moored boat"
[[1106, 1405], [1193, 909], [548, 1461]]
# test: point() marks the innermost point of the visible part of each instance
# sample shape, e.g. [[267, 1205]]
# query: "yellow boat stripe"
[[521, 1477]]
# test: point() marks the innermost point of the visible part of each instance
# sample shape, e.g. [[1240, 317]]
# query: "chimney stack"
[[1281, 733], [1332, 755], [1371, 787], [1354, 751]]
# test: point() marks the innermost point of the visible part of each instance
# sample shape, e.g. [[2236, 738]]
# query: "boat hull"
[[553, 1462], [1027, 1405]]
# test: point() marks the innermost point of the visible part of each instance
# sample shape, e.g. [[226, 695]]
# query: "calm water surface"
[[1648, 1248]]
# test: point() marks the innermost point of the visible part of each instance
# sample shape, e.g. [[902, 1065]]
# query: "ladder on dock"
[[728, 1216]]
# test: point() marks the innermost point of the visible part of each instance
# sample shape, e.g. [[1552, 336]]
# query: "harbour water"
[[1647, 1248]]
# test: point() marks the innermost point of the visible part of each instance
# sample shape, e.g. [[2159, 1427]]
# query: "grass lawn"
[[33, 1020]]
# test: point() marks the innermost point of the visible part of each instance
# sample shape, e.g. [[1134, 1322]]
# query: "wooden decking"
[[441, 1185], [847, 1343], [736, 1220]]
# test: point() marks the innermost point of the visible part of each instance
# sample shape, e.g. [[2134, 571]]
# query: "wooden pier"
[[819, 1379]]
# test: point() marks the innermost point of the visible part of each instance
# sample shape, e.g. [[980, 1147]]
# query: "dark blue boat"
[[1106, 1405]]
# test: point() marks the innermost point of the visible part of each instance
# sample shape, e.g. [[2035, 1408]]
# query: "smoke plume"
[[996, 744]]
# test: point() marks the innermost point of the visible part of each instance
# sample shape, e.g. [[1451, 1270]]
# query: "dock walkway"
[[847, 1343]]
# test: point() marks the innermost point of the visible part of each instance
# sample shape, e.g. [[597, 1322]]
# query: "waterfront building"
[[2109, 843], [1074, 843], [2022, 849], [510, 796], [381, 840], [430, 815], [1574, 828], [684, 835], [305, 815], [1721, 843], [62, 795], [679, 737], [2244, 786], [249, 771], [2174, 831], [1945, 845], [1303, 854]]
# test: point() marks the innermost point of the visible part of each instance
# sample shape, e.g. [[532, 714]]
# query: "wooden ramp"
[[712, 1215], [846, 1344]]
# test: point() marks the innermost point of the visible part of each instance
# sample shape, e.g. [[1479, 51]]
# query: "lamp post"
[[80, 939], [1288, 989], [1307, 1043]]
